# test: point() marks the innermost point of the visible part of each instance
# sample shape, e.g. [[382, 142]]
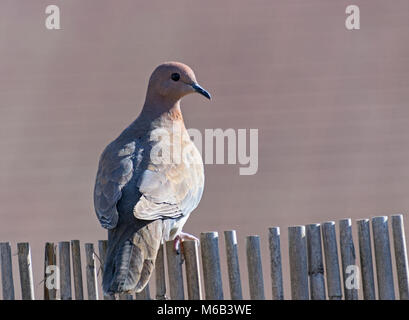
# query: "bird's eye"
[[175, 76]]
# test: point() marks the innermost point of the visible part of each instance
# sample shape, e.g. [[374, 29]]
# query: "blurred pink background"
[[331, 106]]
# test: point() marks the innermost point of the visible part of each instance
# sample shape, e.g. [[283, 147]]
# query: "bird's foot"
[[182, 236]]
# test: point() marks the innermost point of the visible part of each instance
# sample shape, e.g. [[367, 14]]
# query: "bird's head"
[[173, 81]]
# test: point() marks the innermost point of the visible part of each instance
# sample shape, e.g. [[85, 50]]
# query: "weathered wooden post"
[[331, 261], [26, 271], [76, 269], [348, 259], [6, 271], [365, 254], [91, 272], [65, 270], [160, 279], [386, 290], [50, 265], [102, 250], [175, 273], [298, 263], [276, 272], [315, 262], [254, 267], [401, 256], [191, 254], [233, 267], [211, 265]]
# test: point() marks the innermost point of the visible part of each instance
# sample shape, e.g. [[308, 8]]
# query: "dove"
[[149, 180]]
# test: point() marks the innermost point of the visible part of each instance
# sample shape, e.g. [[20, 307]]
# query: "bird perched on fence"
[[149, 180]]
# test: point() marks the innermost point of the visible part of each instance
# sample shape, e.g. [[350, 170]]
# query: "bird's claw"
[[178, 242]]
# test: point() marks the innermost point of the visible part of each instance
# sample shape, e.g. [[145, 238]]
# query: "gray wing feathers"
[[114, 172]]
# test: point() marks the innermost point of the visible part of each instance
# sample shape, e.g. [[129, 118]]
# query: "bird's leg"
[[178, 242]]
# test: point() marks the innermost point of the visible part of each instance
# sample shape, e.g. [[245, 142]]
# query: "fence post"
[[348, 258], [401, 256], [315, 262], [191, 255], [211, 265], [102, 250], [76, 269], [298, 263], [331, 261], [26, 271], [233, 267], [160, 279], [386, 290], [365, 255], [65, 270], [6, 271], [275, 263], [175, 272], [91, 272], [50, 260], [254, 267]]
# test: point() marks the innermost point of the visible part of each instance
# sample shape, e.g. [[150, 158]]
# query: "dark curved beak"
[[202, 91]]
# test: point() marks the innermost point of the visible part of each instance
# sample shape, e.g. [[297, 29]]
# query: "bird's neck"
[[160, 109]]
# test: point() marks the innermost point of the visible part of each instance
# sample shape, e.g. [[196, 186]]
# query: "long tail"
[[131, 260]]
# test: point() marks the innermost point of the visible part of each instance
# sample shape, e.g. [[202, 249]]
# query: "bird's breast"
[[175, 154]]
